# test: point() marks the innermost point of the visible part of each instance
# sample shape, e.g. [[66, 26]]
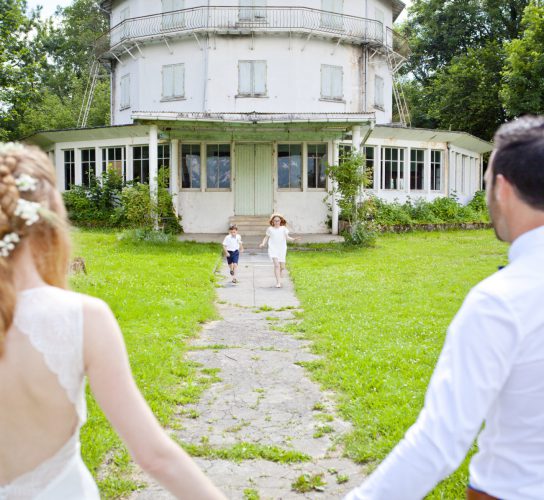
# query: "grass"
[[160, 294], [379, 317]]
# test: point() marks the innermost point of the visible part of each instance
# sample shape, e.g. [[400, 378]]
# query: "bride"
[[50, 339]]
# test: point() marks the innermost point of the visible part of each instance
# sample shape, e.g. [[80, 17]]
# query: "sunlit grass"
[[160, 294], [378, 317]]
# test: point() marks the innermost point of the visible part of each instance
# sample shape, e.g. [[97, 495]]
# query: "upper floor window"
[[392, 168], [218, 166], [436, 170], [124, 101], [332, 15], [332, 82], [417, 168], [173, 81], [252, 78], [123, 16], [163, 158], [317, 165], [172, 18], [379, 97], [88, 165], [69, 168], [251, 10], [289, 166], [190, 166]]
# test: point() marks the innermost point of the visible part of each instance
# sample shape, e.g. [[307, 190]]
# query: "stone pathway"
[[264, 397]]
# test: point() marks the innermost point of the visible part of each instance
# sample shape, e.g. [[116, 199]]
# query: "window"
[[392, 168], [436, 170], [88, 166], [317, 164], [289, 166], [252, 78], [250, 11], [368, 151], [218, 166], [417, 168], [125, 92], [332, 82], [163, 158], [114, 159], [140, 164], [190, 166], [123, 16], [173, 81], [173, 19], [379, 101], [332, 15], [69, 168]]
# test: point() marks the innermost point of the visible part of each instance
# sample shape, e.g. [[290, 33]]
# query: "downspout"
[[206, 64]]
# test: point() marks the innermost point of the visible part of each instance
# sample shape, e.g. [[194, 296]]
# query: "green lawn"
[[160, 294], [378, 317]]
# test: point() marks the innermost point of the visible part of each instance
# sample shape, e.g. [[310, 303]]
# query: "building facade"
[[248, 103]]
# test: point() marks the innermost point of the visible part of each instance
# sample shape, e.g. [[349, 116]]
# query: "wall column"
[[334, 203], [153, 167], [174, 172], [356, 138]]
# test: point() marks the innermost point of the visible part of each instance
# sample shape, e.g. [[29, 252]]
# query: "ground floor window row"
[[209, 166]]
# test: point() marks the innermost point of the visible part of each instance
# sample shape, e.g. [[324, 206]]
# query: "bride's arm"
[[113, 386]]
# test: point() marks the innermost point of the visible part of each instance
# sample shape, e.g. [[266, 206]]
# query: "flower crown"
[[29, 211]]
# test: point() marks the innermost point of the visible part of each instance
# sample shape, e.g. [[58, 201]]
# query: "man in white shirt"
[[492, 365]]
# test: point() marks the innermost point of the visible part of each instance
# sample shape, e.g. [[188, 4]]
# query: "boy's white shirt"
[[232, 243]]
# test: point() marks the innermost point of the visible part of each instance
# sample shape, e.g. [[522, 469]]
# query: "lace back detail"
[[52, 319]]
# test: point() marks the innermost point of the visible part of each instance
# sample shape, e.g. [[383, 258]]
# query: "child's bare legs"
[[234, 268], [282, 268], [277, 271]]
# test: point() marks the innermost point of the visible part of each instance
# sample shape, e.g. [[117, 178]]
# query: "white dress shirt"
[[232, 243], [492, 368]]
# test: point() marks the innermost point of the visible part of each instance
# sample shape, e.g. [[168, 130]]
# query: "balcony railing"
[[244, 20]]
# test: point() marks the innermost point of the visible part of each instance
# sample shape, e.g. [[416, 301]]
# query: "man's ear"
[[501, 187]]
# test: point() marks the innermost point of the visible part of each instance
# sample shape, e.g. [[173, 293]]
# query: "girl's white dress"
[[277, 242], [52, 319]]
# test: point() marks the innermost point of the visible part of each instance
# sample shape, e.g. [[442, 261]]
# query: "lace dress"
[[277, 242], [52, 319]]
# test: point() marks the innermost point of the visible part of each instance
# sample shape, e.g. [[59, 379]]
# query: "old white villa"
[[248, 101]]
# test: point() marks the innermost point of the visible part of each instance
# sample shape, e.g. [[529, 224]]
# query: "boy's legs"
[[234, 268]]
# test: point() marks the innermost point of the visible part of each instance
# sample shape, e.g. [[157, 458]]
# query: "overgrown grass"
[[160, 294], [379, 316]]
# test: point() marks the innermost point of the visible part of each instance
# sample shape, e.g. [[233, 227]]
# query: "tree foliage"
[[460, 51], [45, 68], [523, 74]]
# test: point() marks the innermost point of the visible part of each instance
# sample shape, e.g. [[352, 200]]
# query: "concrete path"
[[264, 397]]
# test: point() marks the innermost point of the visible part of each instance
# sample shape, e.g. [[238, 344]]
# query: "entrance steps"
[[250, 225]]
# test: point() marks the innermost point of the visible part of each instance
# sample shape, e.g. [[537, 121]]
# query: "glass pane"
[[244, 77], [260, 77]]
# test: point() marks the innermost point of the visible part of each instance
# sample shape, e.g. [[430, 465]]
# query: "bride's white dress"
[[52, 319]]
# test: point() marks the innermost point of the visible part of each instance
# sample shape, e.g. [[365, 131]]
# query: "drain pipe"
[[206, 64]]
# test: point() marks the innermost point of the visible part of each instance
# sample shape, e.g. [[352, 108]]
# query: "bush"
[[362, 234]]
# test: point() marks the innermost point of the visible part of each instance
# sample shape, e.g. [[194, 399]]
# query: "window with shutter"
[[252, 78], [379, 101], [173, 81], [173, 19], [332, 85], [124, 102]]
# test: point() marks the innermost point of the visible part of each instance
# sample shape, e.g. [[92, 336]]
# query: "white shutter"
[[125, 92], [326, 81], [337, 84], [379, 91], [167, 5], [179, 80], [167, 81], [244, 77], [259, 77]]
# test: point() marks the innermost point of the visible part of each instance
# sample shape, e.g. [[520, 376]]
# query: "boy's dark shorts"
[[232, 257]]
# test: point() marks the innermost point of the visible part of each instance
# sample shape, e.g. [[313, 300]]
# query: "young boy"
[[232, 247]]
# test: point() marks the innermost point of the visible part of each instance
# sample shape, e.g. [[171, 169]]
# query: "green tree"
[[523, 87], [465, 94], [22, 60]]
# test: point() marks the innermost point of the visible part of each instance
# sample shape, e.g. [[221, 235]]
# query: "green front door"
[[253, 179]]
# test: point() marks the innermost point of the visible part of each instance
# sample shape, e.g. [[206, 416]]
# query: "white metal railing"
[[244, 20]]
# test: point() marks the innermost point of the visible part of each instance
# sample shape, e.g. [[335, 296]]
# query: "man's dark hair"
[[519, 157]]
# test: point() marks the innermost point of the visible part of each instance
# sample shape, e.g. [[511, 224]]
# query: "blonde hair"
[[48, 237]]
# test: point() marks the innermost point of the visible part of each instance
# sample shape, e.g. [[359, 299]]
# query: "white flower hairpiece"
[[7, 243], [10, 147], [26, 182], [28, 210]]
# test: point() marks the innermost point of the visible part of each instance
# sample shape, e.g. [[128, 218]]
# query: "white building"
[[248, 104]]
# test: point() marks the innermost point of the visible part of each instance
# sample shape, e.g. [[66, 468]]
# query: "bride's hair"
[[27, 175]]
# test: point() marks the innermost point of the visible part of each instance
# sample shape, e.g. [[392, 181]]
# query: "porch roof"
[[462, 140]]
